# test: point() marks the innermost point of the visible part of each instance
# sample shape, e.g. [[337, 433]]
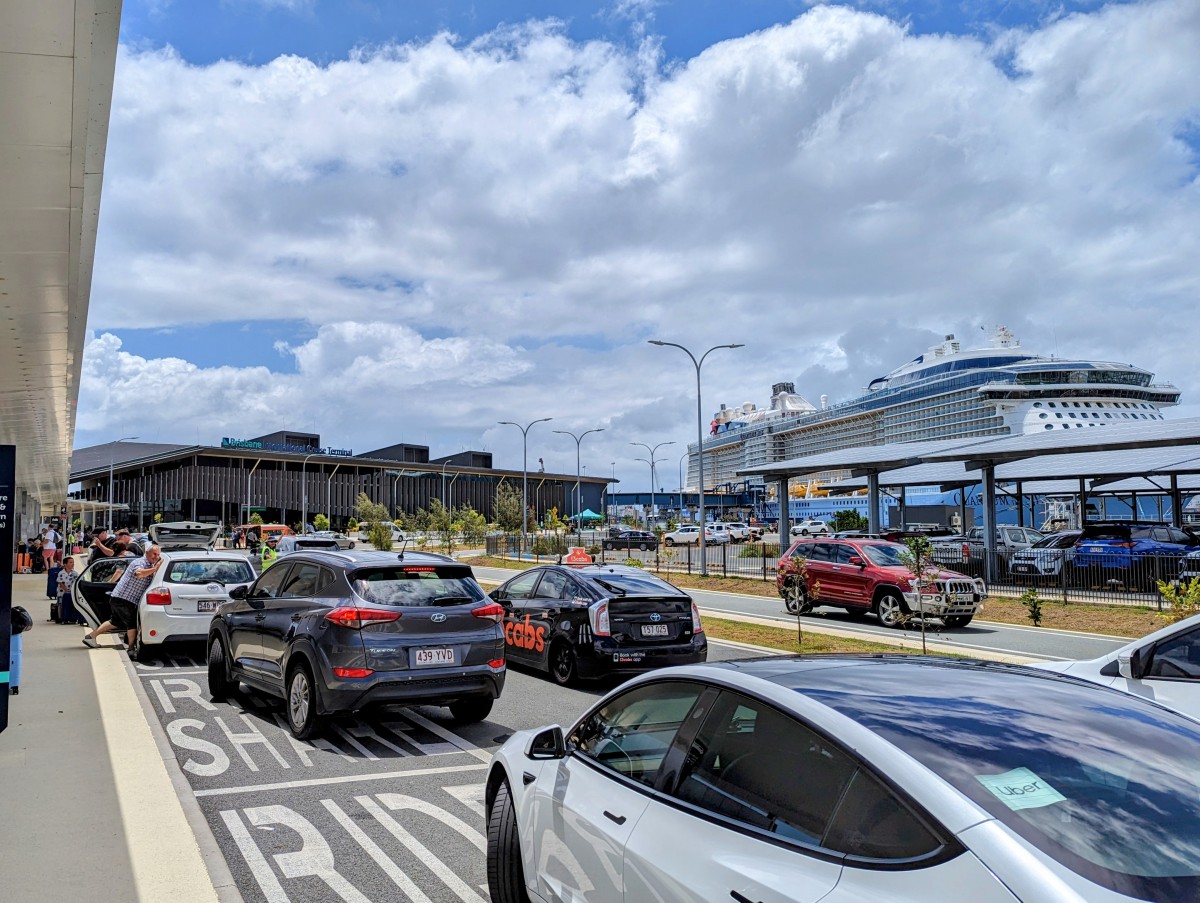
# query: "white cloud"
[[835, 192]]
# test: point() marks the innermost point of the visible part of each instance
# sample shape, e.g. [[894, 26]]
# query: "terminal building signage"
[[255, 445]]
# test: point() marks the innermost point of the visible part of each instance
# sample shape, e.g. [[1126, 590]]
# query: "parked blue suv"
[[1138, 553], [338, 632]]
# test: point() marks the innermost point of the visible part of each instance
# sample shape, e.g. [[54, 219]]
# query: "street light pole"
[[651, 462], [304, 493], [578, 439], [395, 475], [112, 453], [444, 463], [699, 434], [681, 459], [525, 469]]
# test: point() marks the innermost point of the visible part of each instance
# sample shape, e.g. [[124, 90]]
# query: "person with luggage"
[[67, 576], [125, 598]]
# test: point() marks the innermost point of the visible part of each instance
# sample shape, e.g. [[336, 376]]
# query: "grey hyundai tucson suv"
[[335, 632]]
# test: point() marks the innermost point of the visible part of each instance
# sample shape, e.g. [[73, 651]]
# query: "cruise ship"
[[945, 393]]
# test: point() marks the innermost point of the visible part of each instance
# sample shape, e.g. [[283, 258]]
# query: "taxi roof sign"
[[577, 555]]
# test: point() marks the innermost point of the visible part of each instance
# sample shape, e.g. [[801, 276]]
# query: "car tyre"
[[890, 609], [220, 687], [958, 620], [468, 711], [642, 547], [795, 598], [562, 663], [300, 703], [668, 543], [351, 546], [608, 546], [505, 868]]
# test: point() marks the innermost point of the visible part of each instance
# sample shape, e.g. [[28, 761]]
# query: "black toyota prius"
[[589, 622]]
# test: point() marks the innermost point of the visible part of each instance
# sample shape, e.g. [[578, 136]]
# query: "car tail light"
[[160, 595], [496, 664], [697, 627], [1124, 545], [352, 672], [598, 616], [493, 611], [357, 618], [966, 551]]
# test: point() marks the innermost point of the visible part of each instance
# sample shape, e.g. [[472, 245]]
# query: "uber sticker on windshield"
[[1020, 789]]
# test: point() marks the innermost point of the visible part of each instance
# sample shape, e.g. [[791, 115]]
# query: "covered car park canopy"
[[587, 514], [1111, 452]]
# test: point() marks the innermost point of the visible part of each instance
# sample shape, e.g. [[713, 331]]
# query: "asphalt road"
[[386, 808], [979, 635]]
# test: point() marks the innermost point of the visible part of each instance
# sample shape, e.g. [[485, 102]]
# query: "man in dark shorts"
[[125, 597]]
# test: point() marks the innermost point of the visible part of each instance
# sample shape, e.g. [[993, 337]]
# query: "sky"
[[388, 221]]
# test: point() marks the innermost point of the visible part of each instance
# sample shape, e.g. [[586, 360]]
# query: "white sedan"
[[689, 535], [1163, 666], [810, 528], [845, 779]]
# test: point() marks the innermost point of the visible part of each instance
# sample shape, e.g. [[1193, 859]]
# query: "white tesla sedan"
[[849, 779]]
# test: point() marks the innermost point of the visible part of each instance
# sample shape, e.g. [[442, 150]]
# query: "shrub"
[[759, 550], [633, 563], [593, 550], [1183, 599], [540, 546], [1033, 605], [320, 523]]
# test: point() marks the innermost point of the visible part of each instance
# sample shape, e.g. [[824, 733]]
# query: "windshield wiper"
[[453, 600], [611, 587]]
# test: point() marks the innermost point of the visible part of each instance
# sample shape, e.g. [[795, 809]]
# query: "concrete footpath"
[[90, 807]]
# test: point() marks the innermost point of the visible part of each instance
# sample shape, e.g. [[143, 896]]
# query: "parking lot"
[[381, 808]]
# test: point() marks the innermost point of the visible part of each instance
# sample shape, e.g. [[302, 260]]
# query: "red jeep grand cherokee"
[[870, 576]]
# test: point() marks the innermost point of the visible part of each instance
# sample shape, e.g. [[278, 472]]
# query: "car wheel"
[[958, 620], [795, 598], [505, 868], [642, 547], [804, 532], [608, 546], [468, 711], [301, 703], [351, 546], [562, 663], [220, 687], [668, 543], [890, 609]]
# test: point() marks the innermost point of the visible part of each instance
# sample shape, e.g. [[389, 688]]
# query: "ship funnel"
[[824, 402], [788, 388]]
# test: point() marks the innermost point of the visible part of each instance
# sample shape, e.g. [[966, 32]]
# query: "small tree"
[[795, 572], [849, 519], [1182, 598], [441, 523], [1033, 605], [379, 529], [255, 518], [918, 558], [320, 523], [507, 508], [352, 526], [471, 524]]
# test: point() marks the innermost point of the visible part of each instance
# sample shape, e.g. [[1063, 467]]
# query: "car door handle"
[[741, 898], [297, 616], [619, 819], [260, 617]]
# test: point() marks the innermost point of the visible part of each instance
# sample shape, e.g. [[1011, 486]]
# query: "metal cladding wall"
[[213, 487]]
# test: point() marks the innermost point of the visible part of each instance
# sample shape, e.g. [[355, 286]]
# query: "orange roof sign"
[[577, 555]]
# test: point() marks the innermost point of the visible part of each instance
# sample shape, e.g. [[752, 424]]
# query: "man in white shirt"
[[50, 542]]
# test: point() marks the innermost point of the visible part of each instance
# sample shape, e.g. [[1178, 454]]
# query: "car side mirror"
[[857, 559], [547, 744], [1132, 665], [238, 592]]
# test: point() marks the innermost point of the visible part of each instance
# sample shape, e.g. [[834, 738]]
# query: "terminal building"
[[289, 475]]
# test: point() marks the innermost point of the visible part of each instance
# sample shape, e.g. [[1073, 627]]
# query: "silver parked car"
[[846, 779]]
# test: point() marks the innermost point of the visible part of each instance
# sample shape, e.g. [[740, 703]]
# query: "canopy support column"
[[873, 502], [989, 522], [784, 524]]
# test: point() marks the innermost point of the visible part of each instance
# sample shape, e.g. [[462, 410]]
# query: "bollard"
[[21, 621]]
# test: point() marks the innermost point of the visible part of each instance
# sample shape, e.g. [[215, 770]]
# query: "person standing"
[[268, 556], [125, 598], [50, 541], [101, 546]]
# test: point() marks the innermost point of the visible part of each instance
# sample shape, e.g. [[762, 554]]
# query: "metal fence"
[[1054, 573]]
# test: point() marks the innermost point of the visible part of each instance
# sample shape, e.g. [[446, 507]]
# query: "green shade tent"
[[587, 514]]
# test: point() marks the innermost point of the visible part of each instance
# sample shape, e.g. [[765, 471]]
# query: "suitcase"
[[67, 612], [52, 582], [55, 612]]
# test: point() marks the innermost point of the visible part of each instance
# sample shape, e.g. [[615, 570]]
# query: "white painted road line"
[[343, 779]]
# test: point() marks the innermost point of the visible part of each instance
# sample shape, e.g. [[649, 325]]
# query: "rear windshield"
[[1106, 784], [634, 584], [1111, 531], [1054, 541], [235, 570], [417, 585]]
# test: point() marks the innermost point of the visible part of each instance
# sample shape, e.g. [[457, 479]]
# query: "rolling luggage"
[[52, 582], [55, 612]]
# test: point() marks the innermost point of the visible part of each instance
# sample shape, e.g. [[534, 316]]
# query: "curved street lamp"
[[652, 462], [525, 469], [699, 432], [112, 453], [304, 493], [578, 439]]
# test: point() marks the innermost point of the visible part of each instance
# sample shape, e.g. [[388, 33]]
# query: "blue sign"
[[255, 445], [8, 485]]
